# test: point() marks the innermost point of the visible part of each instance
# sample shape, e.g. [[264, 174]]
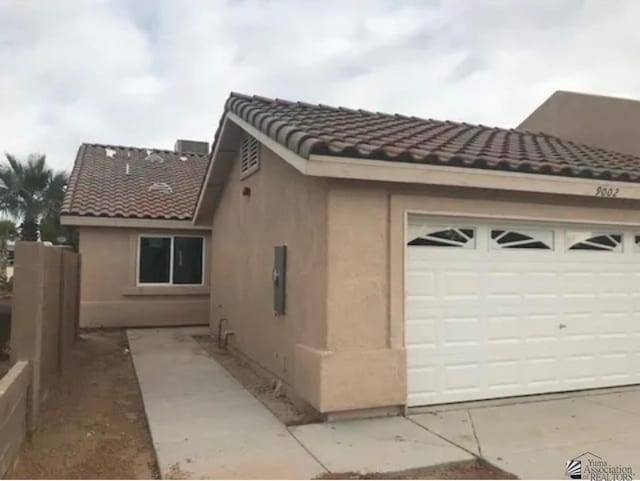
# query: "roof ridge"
[[342, 108], [572, 142], [154, 149], [519, 133]]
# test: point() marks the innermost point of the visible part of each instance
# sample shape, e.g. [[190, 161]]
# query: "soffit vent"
[[249, 156], [161, 187]]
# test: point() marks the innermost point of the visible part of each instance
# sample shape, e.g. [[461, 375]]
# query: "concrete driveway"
[[534, 438]]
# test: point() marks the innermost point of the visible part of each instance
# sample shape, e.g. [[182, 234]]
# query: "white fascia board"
[[404, 172]]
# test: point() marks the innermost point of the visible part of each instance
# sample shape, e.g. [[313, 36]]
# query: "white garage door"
[[497, 309]]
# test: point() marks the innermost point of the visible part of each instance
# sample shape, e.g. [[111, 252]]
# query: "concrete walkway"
[[203, 423]]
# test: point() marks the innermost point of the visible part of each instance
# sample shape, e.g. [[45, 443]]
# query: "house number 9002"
[[603, 191]]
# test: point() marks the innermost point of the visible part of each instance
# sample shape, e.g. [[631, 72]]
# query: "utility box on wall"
[[279, 279]]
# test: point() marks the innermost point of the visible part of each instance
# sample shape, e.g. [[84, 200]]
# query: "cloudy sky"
[[145, 72]]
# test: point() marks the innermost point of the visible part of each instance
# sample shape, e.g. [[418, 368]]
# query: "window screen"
[[187, 260], [155, 260]]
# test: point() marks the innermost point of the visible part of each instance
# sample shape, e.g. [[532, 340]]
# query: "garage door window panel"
[[443, 236], [521, 239], [595, 241]]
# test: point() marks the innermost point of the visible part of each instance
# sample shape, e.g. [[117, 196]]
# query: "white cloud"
[[145, 73]]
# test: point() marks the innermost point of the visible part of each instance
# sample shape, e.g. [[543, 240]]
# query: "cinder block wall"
[[13, 413], [44, 320]]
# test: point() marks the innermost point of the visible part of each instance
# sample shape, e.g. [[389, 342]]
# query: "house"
[[606, 122], [374, 262], [142, 258]]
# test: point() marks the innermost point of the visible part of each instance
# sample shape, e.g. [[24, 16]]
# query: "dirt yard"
[[462, 470], [263, 388], [92, 425]]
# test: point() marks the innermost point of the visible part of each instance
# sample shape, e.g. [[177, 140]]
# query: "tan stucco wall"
[[365, 362], [284, 208], [378, 212], [341, 344], [359, 368], [108, 293], [606, 122]]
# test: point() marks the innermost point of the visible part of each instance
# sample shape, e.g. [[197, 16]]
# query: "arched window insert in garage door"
[[445, 236], [594, 241], [521, 239]]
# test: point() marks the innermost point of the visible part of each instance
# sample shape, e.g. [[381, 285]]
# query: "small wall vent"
[[249, 156]]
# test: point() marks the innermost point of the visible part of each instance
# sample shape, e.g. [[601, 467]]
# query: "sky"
[[146, 72]]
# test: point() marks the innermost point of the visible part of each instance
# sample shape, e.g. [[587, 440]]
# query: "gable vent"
[[249, 156]]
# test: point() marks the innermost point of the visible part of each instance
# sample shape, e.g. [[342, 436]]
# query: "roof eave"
[[148, 223], [222, 154], [391, 171]]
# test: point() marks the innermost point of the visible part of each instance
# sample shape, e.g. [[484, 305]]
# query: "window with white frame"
[[170, 260]]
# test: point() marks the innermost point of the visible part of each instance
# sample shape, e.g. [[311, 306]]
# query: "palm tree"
[[31, 191], [8, 233]]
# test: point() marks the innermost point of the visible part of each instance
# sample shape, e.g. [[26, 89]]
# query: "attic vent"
[[162, 187], [249, 156], [153, 157]]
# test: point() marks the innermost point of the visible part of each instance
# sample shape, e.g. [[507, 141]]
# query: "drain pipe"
[[227, 335], [220, 322]]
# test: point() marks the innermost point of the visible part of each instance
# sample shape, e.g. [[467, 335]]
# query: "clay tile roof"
[[337, 131], [116, 181]]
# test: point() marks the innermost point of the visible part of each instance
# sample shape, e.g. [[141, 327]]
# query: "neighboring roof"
[[605, 122], [131, 182], [308, 130]]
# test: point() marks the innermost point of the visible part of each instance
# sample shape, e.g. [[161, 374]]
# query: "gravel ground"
[[92, 425]]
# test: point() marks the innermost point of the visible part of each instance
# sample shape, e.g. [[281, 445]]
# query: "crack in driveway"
[[475, 434]]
